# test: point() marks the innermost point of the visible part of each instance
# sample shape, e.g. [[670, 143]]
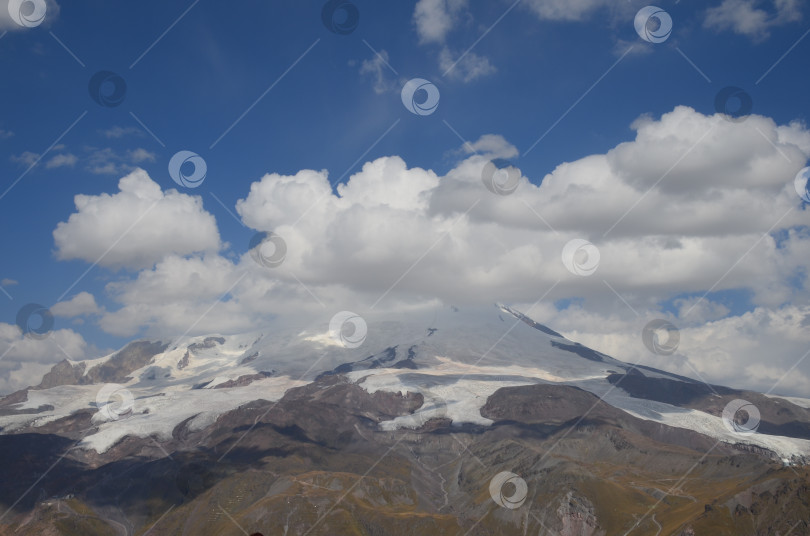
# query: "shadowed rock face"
[[183, 363], [7, 404], [115, 370], [391, 357], [778, 416], [674, 392], [589, 469], [243, 380], [63, 373], [208, 342], [547, 404]]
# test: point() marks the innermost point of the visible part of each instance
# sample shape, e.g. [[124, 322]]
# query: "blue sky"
[[192, 69]]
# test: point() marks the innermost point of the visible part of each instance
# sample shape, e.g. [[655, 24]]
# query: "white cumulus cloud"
[[81, 304], [568, 10], [26, 359], [136, 227], [434, 19], [752, 18]]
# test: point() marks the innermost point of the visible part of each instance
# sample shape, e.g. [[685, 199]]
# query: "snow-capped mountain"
[[469, 372], [455, 359]]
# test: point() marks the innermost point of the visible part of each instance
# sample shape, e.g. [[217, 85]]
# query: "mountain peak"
[[458, 360], [528, 321], [423, 379]]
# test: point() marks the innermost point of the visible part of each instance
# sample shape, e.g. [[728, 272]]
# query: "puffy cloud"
[[25, 159], [685, 176], [435, 18], [467, 67], [139, 156], [380, 71], [81, 304], [107, 161], [62, 160], [754, 350], [98, 161], [746, 18], [570, 10], [491, 146], [136, 227], [25, 360], [671, 212], [177, 295], [210, 294]]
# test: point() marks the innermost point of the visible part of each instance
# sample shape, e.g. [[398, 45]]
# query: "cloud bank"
[[694, 205]]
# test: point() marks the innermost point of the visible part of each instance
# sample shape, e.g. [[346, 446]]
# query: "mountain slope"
[[401, 435]]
